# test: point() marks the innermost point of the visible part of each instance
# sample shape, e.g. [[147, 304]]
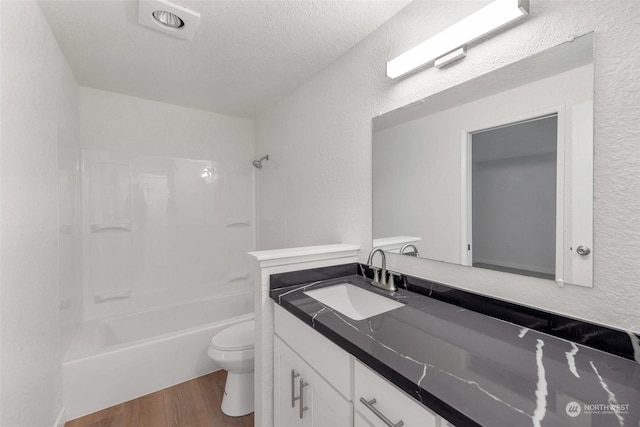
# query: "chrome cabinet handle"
[[293, 388], [302, 407], [583, 250], [369, 404]]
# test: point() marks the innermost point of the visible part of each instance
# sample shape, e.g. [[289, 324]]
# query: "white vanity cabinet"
[[312, 371]]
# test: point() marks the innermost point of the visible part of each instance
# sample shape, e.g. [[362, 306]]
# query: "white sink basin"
[[352, 301]]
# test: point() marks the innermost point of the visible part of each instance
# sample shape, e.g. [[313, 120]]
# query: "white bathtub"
[[114, 360]]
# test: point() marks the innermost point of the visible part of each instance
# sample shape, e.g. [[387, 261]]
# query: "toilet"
[[233, 350]]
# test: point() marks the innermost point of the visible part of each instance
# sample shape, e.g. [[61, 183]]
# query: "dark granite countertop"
[[477, 370]]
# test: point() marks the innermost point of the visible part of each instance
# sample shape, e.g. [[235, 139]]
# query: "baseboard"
[[60, 420]]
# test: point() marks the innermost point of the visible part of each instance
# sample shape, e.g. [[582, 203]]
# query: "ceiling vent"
[[168, 18]]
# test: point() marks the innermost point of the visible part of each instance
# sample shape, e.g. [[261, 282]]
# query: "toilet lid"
[[236, 337]]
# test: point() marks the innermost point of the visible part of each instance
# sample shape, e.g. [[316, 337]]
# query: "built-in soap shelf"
[[239, 223], [117, 294], [119, 226], [234, 277]]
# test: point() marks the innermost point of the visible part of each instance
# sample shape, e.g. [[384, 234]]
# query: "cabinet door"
[[286, 385], [327, 359], [325, 406]]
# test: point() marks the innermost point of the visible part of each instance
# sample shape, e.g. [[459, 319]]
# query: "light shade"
[[490, 18]]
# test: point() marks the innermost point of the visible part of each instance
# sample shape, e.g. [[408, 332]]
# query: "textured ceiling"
[[245, 56]]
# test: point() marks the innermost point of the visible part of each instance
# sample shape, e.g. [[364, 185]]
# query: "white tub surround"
[[167, 203], [280, 261], [114, 360], [163, 230]]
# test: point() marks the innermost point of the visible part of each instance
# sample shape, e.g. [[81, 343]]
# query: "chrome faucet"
[[414, 251], [380, 274]]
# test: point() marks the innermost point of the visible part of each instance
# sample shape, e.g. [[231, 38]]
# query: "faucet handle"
[[376, 273], [392, 276]]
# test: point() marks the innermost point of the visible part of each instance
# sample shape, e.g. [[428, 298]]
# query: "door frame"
[[466, 184]]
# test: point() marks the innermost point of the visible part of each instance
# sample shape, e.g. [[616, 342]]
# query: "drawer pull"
[[293, 388], [369, 404], [302, 407]]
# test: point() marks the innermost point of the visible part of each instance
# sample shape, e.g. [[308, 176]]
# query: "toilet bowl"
[[233, 350]]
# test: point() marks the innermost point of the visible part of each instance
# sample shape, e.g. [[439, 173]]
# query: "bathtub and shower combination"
[[117, 359], [165, 268]]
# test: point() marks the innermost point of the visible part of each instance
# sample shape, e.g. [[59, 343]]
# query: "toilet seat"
[[235, 338]]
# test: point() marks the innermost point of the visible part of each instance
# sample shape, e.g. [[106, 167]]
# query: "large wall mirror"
[[496, 173]]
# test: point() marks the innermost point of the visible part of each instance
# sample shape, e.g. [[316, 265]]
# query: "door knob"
[[583, 250]]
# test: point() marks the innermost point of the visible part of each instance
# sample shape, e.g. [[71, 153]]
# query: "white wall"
[[514, 213], [115, 122], [317, 189], [182, 244], [514, 195], [38, 110]]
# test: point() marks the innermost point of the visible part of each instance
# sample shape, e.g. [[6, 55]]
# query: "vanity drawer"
[[329, 360], [390, 402]]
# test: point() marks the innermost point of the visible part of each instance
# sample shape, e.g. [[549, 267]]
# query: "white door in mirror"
[[352, 301]]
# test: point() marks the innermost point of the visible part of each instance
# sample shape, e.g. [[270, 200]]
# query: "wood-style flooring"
[[194, 403]]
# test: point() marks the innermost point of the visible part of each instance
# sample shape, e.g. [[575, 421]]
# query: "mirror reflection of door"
[[513, 170]]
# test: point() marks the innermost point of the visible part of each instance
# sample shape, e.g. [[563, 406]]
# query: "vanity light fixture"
[[450, 44], [169, 18]]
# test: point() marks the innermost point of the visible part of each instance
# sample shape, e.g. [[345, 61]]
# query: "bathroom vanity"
[[439, 361]]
